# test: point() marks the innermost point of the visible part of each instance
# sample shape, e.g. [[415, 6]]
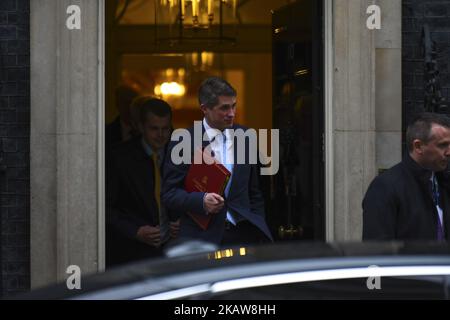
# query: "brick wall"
[[14, 145], [435, 13]]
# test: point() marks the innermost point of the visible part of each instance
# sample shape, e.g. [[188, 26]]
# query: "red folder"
[[203, 177]]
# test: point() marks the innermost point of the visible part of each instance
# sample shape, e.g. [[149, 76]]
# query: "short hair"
[[420, 127], [145, 105], [212, 88]]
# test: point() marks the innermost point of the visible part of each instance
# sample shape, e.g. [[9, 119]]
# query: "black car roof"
[[152, 270]]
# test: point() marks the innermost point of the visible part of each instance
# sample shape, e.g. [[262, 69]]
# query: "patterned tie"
[[435, 190], [157, 183], [229, 167]]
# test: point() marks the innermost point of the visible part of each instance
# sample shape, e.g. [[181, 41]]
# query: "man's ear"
[[417, 146], [203, 108]]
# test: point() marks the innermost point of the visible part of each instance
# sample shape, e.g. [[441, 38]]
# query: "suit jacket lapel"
[[236, 167], [206, 142]]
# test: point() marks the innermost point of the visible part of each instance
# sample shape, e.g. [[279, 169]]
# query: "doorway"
[[297, 191], [276, 64]]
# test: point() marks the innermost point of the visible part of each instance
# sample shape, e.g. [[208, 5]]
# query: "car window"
[[430, 287]]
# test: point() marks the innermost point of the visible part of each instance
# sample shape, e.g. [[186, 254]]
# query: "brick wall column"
[[14, 146]]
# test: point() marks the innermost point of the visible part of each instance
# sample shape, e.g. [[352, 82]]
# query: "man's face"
[[221, 116], [156, 131], [435, 154]]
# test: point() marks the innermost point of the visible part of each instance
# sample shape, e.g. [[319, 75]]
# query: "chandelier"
[[196, 20]]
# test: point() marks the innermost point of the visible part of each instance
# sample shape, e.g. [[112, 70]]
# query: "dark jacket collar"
[[416, 169], [424, 175]]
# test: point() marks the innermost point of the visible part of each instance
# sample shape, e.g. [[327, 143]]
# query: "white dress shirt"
[[216, 142]]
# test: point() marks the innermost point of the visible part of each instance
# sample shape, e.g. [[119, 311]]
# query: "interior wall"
[[250, 54], [257, 69], [252, 82]]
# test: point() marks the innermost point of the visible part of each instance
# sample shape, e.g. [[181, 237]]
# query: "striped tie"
[[435, 190]]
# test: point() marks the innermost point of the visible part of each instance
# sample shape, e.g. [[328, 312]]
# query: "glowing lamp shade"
[[170, 89]]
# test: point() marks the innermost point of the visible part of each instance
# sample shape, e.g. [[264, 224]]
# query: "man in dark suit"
[[410, 201], [238, 217], [137, 224], [122, 128]]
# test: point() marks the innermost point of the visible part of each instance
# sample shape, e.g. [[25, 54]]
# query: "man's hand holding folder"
[[213, 203], [210, 177]]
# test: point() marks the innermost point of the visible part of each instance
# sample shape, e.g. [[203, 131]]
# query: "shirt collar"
[[147, 149], [212, 133]]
